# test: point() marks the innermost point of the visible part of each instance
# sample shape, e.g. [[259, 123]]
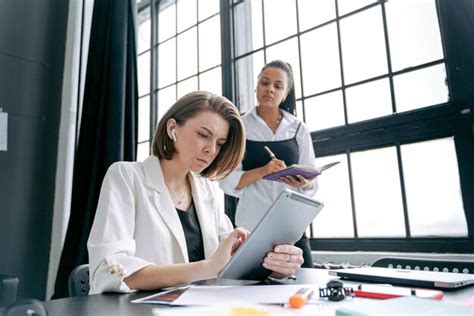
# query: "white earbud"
[[173, 135]]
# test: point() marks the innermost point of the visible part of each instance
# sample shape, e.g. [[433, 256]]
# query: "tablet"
[[284, 223]]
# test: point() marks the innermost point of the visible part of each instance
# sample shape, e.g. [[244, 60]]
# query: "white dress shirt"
[[255, 199], [136, 223]]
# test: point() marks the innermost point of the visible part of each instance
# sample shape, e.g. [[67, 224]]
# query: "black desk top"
[[119, 304]]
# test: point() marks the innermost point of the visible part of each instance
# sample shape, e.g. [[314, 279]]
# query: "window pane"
[[299, 110], [421, 88], [368, 101], [377, 196], [209, 43], [167, 63], [167, 21], [346, 6], [143, 72], [320, 60], [288, 51], [246, 72], [144, 119], [433, 190], [211, 81], [324, 111], [207, 8], [166, 98], [334, 191], [312, 13], [143, 151], [144, 30], [248, 26], [280, 19], [187, 14], [363, 46], [187, 54], [187, 86], [413, 31]]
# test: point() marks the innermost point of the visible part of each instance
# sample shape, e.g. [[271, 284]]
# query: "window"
[[178, 52], [379, 84]]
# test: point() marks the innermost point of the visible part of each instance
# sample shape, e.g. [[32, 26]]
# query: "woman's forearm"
[[154, 277], [250, 177]]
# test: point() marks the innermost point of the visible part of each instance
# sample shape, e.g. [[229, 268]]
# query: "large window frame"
[[453, 118]]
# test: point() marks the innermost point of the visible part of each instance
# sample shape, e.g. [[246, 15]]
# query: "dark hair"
[[289, 104], [187, 107]]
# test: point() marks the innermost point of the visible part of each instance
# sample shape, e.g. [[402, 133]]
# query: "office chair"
[[78, 282], [456, 266], [8, 290], [26, 307]]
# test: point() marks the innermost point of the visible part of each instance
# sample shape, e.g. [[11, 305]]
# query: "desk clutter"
[[404, 306], [312, 288]]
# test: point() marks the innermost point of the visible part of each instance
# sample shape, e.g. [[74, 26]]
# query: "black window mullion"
[[154, 12], [389, 57], [403, 191], [227, 50], [458, 47], [197, 45], [351, 187], [264, 35], [300, 62], [176, 51], [341, 62]]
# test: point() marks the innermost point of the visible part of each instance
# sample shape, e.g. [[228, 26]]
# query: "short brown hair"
[[189, 106]]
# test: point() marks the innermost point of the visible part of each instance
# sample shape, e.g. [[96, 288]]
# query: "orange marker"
[[301, 297]]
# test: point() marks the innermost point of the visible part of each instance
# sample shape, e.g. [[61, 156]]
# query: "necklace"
[[273, 125], [183, 196]]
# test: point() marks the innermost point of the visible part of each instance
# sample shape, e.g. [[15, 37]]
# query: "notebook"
[[283, 223], [429, 279], [403, 306]]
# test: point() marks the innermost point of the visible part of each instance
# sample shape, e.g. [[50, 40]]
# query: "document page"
[[250, 294]]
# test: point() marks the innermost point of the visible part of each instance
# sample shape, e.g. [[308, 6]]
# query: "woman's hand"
[[284, 260], [297, 182], [273, 166], [227, 248]]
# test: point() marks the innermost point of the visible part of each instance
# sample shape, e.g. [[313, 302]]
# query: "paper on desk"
[[243, 310], [249, 294]]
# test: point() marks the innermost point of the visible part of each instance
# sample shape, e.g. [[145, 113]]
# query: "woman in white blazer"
[[158, 223]]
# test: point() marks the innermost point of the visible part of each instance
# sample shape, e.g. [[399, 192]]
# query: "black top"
[[192, 232], [256, 156]]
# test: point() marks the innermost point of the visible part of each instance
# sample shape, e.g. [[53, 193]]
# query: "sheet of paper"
[[250, 294]]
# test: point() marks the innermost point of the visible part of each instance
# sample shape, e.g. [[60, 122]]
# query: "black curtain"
[[108, 130]]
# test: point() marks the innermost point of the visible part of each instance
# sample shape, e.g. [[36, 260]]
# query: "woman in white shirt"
[[158, 223], [273, 124]]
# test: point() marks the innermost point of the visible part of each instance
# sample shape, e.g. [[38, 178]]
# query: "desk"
[[119, 304]]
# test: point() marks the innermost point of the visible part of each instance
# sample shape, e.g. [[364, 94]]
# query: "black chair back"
[[78, 282]]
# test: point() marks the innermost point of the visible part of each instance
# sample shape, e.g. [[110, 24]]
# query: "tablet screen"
[[283, 223]]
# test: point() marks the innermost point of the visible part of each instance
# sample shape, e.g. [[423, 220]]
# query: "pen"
[[301, 297], [384, 292], [270, 153]]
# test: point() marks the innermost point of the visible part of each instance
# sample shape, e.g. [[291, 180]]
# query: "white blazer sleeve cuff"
[[108, 274]]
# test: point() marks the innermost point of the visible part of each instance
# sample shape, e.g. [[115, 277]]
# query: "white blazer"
[[136, 224]]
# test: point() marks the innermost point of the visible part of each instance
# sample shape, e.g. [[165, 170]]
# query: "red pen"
[[301, 297], [384, 292]]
